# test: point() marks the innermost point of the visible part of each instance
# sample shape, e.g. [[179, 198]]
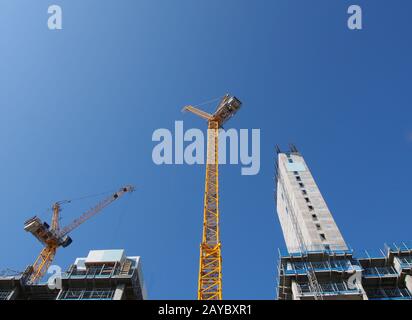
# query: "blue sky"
[[79, 107]]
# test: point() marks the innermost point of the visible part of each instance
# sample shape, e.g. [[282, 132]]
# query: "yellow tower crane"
[[210, 265], [53, 237]]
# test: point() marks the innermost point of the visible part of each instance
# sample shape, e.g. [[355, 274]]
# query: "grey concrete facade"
[[299, 198]]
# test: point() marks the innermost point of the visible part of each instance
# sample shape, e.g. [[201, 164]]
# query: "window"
[[314, 217], [301, 185], [307, 200], [295, 173], [327, 247], [318, 226], [322, 236], [304, 192], [290, 160], [298, 178], [310, 208]]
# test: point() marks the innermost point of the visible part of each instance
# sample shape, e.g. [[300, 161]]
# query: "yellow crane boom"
[[53, 238], [210, 264]]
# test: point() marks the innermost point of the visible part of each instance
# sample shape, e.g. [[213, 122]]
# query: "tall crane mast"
[[53, 237], [210, 265]]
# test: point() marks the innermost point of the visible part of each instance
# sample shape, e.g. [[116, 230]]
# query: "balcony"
[[100, 271], [389, 294], [316, 250], [405, 262], [329, 289], [301, 268], [79, 294], [380, 272], [403, 247]]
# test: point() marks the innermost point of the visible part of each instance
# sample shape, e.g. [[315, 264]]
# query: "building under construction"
[[102, 275], [318, 264]]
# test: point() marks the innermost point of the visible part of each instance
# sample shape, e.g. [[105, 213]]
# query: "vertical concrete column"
[[119, 292], [408, 282], [397, 265], [59, 294], [295, 291], [13, 295], [364, 295]]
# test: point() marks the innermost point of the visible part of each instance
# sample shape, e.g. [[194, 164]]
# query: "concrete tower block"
[[303, 213]]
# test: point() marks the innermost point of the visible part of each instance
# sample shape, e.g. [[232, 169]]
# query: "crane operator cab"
[[227, 109], [42, 232]]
